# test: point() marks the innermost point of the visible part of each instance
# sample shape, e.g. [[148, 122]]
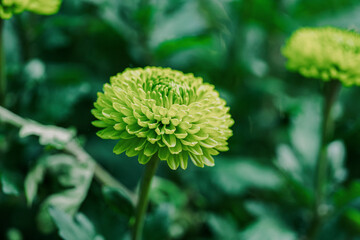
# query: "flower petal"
[[173, 161], [163, 153], [143, 159], [150, 149], [121, 146], [169, 140]]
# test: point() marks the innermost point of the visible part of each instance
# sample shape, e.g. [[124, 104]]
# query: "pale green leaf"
[[336, 154], [73, 176], [75, 228], [268, 228], [235, 177], [48, 135], [9, 184]]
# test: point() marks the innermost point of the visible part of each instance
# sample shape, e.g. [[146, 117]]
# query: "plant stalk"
[[143, 199], [330, 94]]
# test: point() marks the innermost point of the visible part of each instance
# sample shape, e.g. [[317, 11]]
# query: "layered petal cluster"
[[10, 7], [325, 53], [163, 112]]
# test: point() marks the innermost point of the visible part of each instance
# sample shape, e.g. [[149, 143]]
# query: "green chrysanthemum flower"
[[164, 112], [325, 53], [10, 7]]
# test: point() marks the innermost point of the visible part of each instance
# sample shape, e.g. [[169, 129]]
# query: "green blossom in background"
[[325, 53], [165, 112], [45, 7]]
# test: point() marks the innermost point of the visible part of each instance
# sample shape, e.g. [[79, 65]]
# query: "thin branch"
[[11, 118], [73, 148]]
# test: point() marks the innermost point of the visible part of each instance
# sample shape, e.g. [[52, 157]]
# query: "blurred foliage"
[[261, 189]]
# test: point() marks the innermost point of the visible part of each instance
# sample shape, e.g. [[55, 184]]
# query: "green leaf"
[[10, 183], [336, 154], [305, 131], [268, 227], [292, 168], [222, 227], [345, 196], [48, 135], [75, 228], [287, 161], [170, 47], [73, 176], [32, 181], [236, 176], [14, 234], [351, 220], [160, 223], [268, 224], [185, 21]]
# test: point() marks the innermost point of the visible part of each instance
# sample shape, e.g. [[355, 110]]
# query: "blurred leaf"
[[109, 13], [268, 224], [345, 196], [170, 47], [258, 208], [288, 162], [222, 228], [293, 171], [336, 154], [14, 234], [252, 50], [297, 160], [305, 131], [269, 228], [186, 21], [32, 181], [74, 176], [235, 176], [144, 16], [75, 228], [165, 191], [303, 195], [158, 224], [342, 18], [48, 135], [118, 200], [169, 220], [351, 218], [10, 183]]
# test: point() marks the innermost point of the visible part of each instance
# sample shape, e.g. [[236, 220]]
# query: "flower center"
[[168, 90]]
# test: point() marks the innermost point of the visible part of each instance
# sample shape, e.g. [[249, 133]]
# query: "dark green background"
[[261, 189]]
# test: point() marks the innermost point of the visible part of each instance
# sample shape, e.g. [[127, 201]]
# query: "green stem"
[[331, 90], [2, 65], [142, 204], [330, 93]]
